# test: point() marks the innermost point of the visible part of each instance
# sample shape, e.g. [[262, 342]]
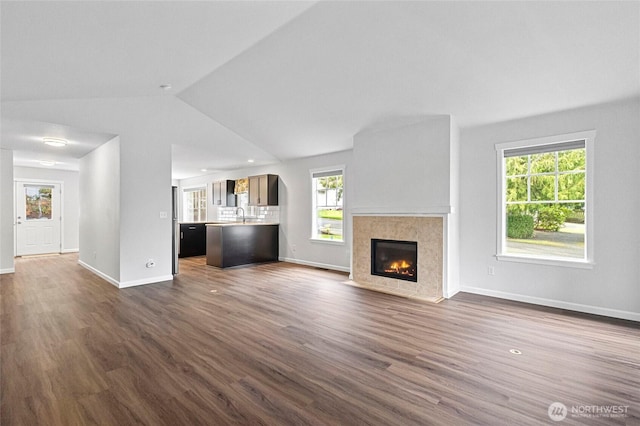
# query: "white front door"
[[38, 218]]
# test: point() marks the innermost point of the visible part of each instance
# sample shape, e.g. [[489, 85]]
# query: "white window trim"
[[588, 137], [343, 168], [194, 188]]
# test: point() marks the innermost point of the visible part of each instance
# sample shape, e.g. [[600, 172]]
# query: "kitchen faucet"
[[240, 208]]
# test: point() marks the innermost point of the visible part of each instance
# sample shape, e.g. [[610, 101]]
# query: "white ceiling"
[[24, 138], [281, 80]]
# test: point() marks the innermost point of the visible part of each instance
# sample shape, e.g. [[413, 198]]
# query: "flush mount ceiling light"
[[250, 160], [47, 163], [203, 170], [55, 142]]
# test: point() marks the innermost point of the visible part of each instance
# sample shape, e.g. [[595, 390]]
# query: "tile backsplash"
[[270, 214]]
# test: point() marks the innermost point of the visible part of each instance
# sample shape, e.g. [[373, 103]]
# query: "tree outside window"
[[328, 197], [37, 202], [545, 200]]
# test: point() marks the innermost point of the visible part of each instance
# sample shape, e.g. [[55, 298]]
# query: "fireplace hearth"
[[394, 259]]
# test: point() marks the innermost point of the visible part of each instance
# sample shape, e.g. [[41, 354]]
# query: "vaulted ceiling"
[[273, 81]]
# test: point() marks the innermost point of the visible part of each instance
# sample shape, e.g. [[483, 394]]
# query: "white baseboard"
[[315, 264], [98, 273], [452, 292], [125, 284], [7, 271], [144, 281], [73, 250], [589, 309]]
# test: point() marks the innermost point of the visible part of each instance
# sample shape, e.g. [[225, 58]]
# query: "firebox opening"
[[395, 259]]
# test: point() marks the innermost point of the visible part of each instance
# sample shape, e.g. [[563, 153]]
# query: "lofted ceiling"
[[274, 81]]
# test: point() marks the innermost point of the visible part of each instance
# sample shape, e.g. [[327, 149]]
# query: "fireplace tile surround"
[[427, 231]]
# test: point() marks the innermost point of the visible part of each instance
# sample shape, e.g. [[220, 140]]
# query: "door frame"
[[15, 208]]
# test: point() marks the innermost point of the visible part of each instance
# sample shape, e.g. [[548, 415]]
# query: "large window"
[[328, 202], [194, 201], [544, 202]]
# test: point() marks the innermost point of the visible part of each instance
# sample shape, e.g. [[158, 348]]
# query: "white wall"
[[296, 214], [404, 169], [612, 287], [295, 205], [128, 192], [100, 211], [453, 220], [6, 212], [145, 193], [70, 200]]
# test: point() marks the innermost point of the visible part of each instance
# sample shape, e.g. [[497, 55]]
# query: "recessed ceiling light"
[[47, 163], [55, 142], [165, 86], [203, 170], [250, 160]]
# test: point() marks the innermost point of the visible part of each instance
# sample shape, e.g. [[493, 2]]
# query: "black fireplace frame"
[[392, 275]]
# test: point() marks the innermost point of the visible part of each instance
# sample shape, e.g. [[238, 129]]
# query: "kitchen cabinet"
[[193, 239], [241, 244], [223, 195], [263, 190]]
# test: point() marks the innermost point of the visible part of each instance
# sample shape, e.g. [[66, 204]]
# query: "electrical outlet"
[[163, 215], [151, 263], [293, 248], [491, 271]]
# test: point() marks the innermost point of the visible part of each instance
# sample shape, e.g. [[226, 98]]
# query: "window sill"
[[580, 264], [329, 242]]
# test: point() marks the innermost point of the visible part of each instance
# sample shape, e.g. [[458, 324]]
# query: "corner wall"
[[453, 220], [145, 206], [612, 287], [6, 212], [100, 211]]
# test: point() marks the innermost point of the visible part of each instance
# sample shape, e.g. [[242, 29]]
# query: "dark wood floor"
[[284, 344]]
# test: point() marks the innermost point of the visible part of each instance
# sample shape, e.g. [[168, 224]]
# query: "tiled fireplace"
[[426, 281]]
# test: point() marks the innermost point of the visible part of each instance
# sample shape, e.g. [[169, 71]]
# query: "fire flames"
[[401, 267]]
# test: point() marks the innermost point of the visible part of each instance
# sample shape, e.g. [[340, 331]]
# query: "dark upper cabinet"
[[223, 195], [263, 190]]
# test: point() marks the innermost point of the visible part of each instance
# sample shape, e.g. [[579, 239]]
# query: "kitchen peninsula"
[[236, 243]]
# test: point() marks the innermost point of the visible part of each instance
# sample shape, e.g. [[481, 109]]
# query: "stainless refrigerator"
[[175, 227]]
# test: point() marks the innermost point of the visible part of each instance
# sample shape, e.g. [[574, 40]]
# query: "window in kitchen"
[[545, 200], [328, 201], [194, 201]]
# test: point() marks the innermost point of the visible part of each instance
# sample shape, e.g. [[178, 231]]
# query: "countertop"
[[223, 224]]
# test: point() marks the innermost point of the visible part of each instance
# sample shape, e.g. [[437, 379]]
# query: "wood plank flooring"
[[281, 344]]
